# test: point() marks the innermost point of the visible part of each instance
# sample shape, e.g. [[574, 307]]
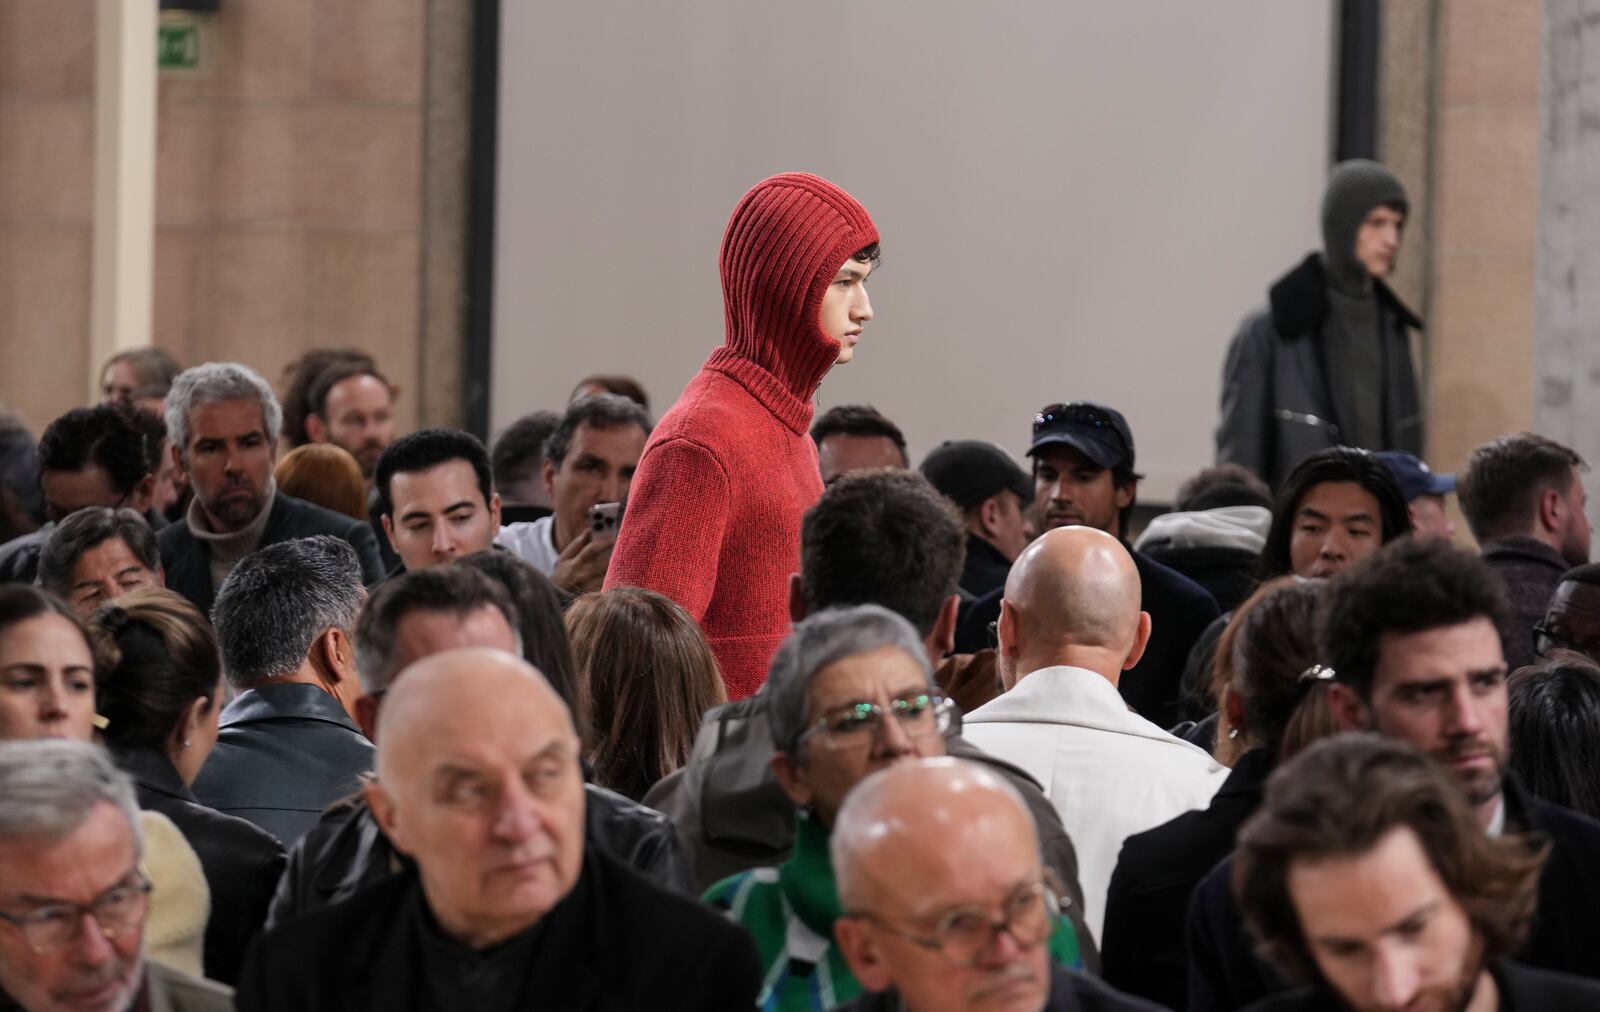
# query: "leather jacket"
[[346, 851]]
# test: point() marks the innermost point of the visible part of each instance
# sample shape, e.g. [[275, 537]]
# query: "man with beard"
[[74, 901], [1411, 638], [1523, 498], [1365, 874], [351, 405], [223, 420]]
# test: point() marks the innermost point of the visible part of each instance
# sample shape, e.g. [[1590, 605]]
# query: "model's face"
[[1429, 518], [840, 454], [1336, 524], [361, 419], [439, 514], [229, 460], [1444, 691], [100, 968], [831, 762], [598, 468], [46, 680], [1384, 930], [106, 572], [1378, 240], [66, 492], [1573, 620], [846, 308], [1070, 490]]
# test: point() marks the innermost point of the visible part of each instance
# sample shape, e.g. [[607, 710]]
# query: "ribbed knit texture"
[[1355, 187], [713, 516]]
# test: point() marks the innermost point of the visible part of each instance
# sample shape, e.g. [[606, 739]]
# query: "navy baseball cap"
[[1094, 430], [1414, 476], [968, 471]]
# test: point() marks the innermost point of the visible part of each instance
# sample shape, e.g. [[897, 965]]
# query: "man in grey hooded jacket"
[[1327, 361]]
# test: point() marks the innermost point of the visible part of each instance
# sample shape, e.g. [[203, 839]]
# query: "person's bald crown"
[[1077, 585], [462, 684], [914, 808]]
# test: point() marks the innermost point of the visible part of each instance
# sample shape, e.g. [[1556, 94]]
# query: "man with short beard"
[[1365, 874], [73, 897], [223, 420], [1411, 640]]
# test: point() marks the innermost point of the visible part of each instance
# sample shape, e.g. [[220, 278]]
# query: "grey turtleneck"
[[228, 547]]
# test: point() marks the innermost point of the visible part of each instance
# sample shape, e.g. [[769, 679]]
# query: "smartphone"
[[605, 520]]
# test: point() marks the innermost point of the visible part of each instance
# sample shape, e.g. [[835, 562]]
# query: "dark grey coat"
[[1277, 403]]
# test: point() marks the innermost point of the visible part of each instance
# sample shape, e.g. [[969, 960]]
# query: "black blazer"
[[616, 943], [241, 862], [1224, 973], [187, 560], [1142, 941], [1522, 989]]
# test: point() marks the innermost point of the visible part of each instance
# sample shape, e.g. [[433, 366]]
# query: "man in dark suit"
[[223, 421], [1412, 636], [1367, 876], [288, 744], [480, 783]]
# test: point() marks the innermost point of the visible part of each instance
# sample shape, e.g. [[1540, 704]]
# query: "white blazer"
[[1108, 771]]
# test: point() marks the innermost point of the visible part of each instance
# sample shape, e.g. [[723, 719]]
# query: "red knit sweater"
[[714, 511]]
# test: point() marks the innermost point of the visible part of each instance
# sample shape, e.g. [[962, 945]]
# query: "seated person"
[[856, 437], [1367, 878], [1572, 622], [517, 460], [480, 784], [928, 852], [1215, 532], [74, 892], [416, 615], [287, 747], [850, 692], [97, 555]]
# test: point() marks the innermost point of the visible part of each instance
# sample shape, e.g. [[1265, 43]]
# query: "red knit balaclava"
[[785, 242]]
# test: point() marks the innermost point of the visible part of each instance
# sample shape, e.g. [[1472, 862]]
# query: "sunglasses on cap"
[[1075, 413]]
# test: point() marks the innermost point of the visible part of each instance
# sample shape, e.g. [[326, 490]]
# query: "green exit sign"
[[178, 47]]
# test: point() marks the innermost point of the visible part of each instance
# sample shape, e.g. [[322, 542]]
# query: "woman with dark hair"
[[539, 622], [47, 668], [1273, 693], [1335, 508], [161, 693], [645, 678], [1555, 730]]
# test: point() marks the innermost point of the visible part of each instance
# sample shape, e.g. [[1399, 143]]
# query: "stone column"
[[1567, 288]]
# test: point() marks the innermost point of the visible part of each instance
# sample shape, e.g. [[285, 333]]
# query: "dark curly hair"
[[1343, 795], [1408, 586], [882, 537]]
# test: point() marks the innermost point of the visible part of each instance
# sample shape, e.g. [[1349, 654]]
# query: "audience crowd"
[[741, 709]]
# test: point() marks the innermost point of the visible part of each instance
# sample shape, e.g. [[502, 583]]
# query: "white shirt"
[[533, 541], [1109, 772]]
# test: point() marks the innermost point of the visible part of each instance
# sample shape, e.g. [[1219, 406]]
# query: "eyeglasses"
[[120, 908], [859, 724], [1546, 639], [964, 934]]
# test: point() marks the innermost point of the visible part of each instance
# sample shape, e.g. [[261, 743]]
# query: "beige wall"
[[1480, 309], [46, 202], [289, 177]]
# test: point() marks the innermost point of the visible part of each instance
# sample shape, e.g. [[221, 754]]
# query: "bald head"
[[917, 822], [479, 782], [1078, 585], [461, 693]]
